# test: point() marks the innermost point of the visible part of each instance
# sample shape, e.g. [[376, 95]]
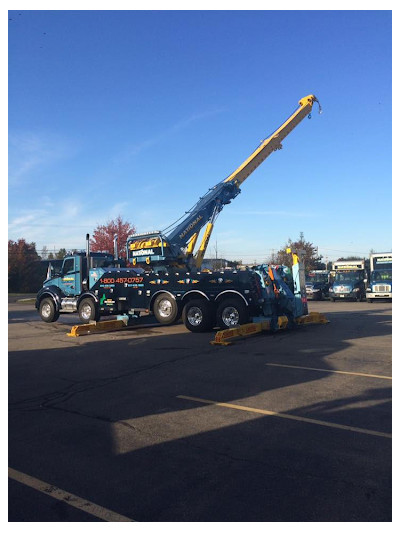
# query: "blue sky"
[[139, 113]]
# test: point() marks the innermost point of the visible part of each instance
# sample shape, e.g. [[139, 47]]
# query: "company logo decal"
[[142, 252], [190, 227]]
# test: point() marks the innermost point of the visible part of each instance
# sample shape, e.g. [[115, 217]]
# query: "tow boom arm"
[[178, 245]]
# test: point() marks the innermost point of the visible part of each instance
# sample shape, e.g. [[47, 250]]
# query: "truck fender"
[[236, 293], [87, 294], [53, 292], [191, 293]]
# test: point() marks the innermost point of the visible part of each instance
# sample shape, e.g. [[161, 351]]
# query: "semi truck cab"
[[380, 284], [349, 281]]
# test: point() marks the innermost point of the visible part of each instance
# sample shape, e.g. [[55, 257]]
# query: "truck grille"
[[343, 289], [381, 288]]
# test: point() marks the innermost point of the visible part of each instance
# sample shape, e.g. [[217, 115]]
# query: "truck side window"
[[69, 266]]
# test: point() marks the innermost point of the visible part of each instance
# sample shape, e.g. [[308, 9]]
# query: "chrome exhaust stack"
[[88, 258], [116, 247]]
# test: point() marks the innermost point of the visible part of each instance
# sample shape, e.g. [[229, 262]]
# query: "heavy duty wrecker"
[[171, 285]]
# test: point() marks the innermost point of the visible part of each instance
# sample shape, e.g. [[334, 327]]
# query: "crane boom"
[[269, 145], [177, 246], [272, 143]]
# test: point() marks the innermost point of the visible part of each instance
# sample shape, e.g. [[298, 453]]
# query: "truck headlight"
[[369, 289], [356, 289], [316, 290], [330, 289]]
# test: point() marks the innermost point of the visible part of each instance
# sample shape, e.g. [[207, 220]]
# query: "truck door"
[[70, 276]]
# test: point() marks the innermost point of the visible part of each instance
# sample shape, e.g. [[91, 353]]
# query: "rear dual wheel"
[[166, 309], [231, 313], [198, 316]]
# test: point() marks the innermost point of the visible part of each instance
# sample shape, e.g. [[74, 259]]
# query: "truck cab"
[[349, 281], [67, 284], [380, 283], [380, 286]]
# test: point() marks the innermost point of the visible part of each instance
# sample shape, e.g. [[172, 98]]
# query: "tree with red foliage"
[[103, 236]]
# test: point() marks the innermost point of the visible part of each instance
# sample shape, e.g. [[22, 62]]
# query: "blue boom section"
[[216, 198], [159, 247]]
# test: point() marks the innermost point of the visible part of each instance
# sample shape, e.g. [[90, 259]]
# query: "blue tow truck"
[[163, 276]]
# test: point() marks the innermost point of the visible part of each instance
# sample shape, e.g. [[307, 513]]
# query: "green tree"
[[24, 273], [61, 253], [307, 251]]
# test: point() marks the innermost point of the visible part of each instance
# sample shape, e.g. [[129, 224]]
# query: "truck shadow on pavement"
[[106, 420]]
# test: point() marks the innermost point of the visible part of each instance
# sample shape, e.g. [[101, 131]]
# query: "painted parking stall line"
[[288, 417], [66, 497], [361, 374]]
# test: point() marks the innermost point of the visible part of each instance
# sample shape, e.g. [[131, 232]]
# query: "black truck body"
[[224, 298]]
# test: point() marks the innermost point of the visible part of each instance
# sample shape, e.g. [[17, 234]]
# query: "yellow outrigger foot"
[[312, 318], [226, 336], [96, 327]]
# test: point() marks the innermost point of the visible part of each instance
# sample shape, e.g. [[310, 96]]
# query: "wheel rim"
[[230, 316], [194, 316], [46, 310], [86, 311], [165, 308]]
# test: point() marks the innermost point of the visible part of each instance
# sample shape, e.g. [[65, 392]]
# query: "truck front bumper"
[[379, 295], [344, 295]]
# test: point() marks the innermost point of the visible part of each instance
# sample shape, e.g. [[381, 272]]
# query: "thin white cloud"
[[135, 149], [31, 153]]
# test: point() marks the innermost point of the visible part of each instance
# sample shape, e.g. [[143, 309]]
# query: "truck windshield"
[[381, 275], [356, 275]]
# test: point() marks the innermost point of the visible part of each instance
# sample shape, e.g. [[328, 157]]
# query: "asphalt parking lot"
[[155, 424]]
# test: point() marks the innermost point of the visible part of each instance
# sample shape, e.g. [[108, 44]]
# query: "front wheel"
[[88, 311], [198, 316], [48, 311], [231, 313], [165, 309]]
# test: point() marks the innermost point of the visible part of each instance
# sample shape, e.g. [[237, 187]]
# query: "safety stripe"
[[68, 498], [377, 376], [288, 417]]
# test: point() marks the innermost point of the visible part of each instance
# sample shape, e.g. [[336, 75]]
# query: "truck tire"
[[165, 309], [48, 311], [88, 311], [198, 316], [231, 312]]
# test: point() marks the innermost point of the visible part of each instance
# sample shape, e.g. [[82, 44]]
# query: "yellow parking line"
[[288, 417], [377, 376], [67, 497]]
